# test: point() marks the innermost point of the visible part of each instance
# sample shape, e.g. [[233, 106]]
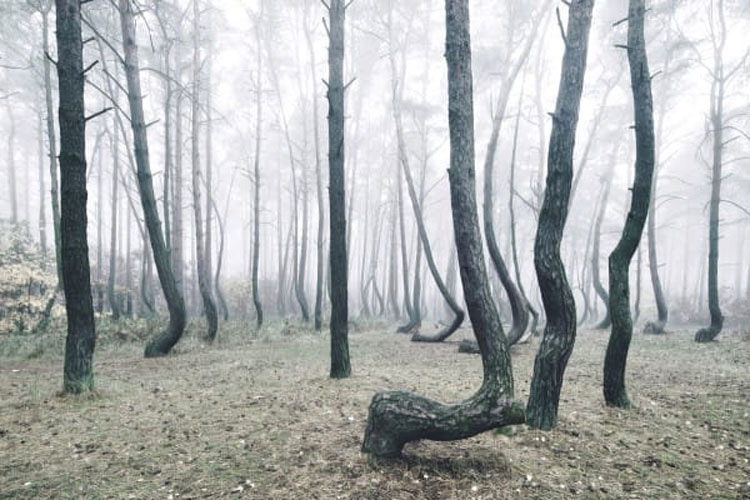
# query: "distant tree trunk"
[[161, 344], [11, 165], [404, 253], [146, 296], [256, 173], [178, 259], [397, 93], [396, 418], [81, 339], [559, 305], [606, 322], [95, 155], [393, 262], [615, 393], [52, 144], [167, 146], [111, 279], [318, 314], [340, 364], [202, 269], [219, 260], [42, 194], [514, 246], [717, 125]]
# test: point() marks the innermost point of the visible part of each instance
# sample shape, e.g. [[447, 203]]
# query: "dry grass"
[[257, 417]]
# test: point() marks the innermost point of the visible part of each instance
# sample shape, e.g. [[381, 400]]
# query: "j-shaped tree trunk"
[[256, 171], [161, 344], [606, 322], [111, 279], [559, 305], [396, 418], [519, 311], [78, 374], [512, 210], [203, 271], [340, 363], [716, 115], [615, 360], [397, 87]]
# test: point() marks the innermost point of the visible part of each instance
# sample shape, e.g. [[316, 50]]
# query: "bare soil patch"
[[257, 417]]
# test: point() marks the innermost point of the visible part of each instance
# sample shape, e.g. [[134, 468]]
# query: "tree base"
[[412, 325], [706, 335], [442, 334], [398, 417], [469, 347], [654, 328]]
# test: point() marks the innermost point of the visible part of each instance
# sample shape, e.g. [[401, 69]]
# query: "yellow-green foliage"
[[25, 284]]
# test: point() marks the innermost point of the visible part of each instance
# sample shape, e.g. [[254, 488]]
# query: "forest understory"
[[258, 417]]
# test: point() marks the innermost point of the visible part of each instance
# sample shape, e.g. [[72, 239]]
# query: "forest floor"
[[258, 417]]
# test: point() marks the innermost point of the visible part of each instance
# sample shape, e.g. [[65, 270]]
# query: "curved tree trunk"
[[220, 257], [717, 124], [78, 375], [203, 271], [560, 330], [615, 393], [256, 173], [396, 418], [340, 364], [606, 322], [161, 344]]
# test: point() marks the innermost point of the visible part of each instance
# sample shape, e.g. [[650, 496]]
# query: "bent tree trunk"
[[340, 365], [619, 261], [78, 375], [201, 256], [396, 418], [655, 327], [717, 123], [559, 305], [606, 322], [256, 172], [161, 344], [406, 169]]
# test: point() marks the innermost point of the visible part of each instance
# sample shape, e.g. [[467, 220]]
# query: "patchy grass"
[[256, 416]]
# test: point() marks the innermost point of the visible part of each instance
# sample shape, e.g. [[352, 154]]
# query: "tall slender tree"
[[559, 305], [340, 363], [620, 258], [79, 345]]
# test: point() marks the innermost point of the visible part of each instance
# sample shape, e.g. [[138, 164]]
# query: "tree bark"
[[396, 418], [615, 393], [81, 339], [42, 194], [161, 344], [340, 363], [559, 305]]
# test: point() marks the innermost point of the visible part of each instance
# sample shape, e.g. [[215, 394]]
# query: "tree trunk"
[[202, 269], [81, 339], [177, 246], [606, 322], [12, 188], [397, 93], [256, 174], [42, 195], [318, 314], [111, 278], [161, 344], [615, 393], [559, 305], [220, 259], [656, 327], [396, 418], [717, 124], [340, 364]]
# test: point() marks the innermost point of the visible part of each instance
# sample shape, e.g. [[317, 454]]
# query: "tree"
[[606, 322], [256, 171], [79, 345], [161, 344], [396, 418], [559, 305], [620, 258], [340, 364], [201, 238], [111, 278]]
